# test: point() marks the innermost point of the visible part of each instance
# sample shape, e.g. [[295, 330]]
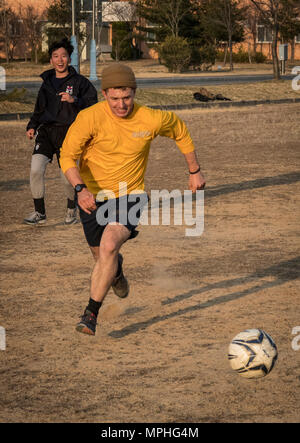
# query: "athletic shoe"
[[35, 219], [71, 217], [120, 285], [88, 323]]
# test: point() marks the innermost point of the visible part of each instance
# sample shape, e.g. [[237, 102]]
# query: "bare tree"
[[227, 14], [275, 14], [175, 11], [165, 14], [251, 22], [225, 18], [32, 28], [120, 12], [9, 30]]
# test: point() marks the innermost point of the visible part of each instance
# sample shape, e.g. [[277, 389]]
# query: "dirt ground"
[[161, 354]]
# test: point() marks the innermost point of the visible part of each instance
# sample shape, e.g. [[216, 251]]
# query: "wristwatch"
[[79, 187]]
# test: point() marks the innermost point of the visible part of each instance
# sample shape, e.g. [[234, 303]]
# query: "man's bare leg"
[[106, 256], [104, 274]]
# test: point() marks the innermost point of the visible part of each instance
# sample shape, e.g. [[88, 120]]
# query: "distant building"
[[259, 38], [38, 5], [14, 29]]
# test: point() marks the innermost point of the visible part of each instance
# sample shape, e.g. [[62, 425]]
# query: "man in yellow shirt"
[[111, 140]]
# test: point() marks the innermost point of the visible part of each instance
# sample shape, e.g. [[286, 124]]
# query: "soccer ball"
[[252, 353]]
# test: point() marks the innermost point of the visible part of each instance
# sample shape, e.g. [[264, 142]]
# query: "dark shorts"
[[119, 210], [49, 139]]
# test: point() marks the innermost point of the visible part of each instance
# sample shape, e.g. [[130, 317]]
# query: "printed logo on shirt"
[[141, 134], [69, 90]]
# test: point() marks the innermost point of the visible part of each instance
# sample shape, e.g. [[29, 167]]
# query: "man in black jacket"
[[62, 95]]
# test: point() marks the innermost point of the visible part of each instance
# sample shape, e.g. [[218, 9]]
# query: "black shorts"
[[49, 139], [118, 210]]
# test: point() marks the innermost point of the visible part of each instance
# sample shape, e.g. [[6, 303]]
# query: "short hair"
[[64, 43]]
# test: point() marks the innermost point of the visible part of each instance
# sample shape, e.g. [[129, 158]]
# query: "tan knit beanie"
[[118, 75]]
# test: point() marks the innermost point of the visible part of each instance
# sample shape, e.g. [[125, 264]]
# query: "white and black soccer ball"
[[252, 353]]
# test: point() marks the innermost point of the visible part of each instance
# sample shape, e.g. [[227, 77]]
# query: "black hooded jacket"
[[51, 110]]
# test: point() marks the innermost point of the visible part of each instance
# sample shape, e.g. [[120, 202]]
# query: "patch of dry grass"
[[7, 107], [142, 67], [268, 90], [24, 70], [145, 67], [18, 100], [19, 70]]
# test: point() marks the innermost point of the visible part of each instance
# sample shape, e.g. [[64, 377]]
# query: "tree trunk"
[[7, 49], [117, 51], [249, 52], [254, 41], [36, 54], [230, 53], [276, 67], [225, 55], [292, 42]]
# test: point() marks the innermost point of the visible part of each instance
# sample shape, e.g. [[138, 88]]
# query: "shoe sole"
[[42, 222], [84, 330], [122, 296], [73, 222]]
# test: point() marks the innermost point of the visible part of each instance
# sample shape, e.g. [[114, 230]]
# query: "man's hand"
[[30, 133], [86, 201], [65, 97], [196, 181], [85, 198]]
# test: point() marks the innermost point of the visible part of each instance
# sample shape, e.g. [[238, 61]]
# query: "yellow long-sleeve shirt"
[[113, 150]]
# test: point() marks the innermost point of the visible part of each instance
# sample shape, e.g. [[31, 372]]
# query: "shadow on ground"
[[283, 272]]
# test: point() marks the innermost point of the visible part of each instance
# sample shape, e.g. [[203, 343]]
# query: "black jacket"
[[50, 109]]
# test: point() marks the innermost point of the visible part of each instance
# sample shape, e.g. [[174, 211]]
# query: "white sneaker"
[[71, 218], [35, 219]]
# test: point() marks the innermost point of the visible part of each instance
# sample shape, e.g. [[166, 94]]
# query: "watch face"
[[78, 188]]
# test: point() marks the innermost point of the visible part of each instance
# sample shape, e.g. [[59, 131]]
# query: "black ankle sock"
[[39, 205], [71, 204], [94, 306]]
